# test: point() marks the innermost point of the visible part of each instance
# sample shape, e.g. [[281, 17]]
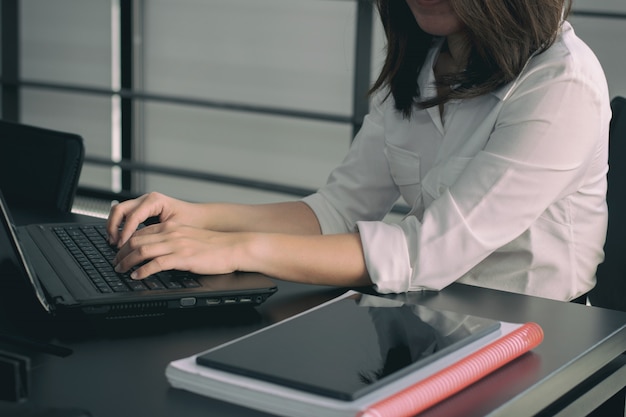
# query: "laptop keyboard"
[[89, 246]]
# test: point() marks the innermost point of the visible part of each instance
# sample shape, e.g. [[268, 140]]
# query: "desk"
[[117, 368]]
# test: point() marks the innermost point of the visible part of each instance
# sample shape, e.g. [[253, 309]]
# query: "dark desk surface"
[[117, 367]]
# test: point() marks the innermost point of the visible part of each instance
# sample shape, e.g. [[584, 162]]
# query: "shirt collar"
[[426, 76]]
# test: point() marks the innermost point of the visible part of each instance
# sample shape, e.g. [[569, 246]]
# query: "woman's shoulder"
[[568, 59], [570, 56], [381, 102]]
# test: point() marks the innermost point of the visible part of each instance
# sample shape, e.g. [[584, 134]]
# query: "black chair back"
[[610, 291]]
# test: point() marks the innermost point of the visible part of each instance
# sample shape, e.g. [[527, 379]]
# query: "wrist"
[[252, 251], [211, 216]]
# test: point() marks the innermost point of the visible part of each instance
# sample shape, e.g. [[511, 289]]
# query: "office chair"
[[610, 290], [39, 168]]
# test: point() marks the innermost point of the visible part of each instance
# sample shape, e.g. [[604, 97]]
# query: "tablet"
[[348, 347]]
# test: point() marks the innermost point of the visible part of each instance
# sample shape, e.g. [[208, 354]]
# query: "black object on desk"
[[35, 345], [14, 370], [39, 167], [22, 410]]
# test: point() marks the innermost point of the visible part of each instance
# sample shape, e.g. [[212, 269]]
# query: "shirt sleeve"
[[549, 130], [361, 187]]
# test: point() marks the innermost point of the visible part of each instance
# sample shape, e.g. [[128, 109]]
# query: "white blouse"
[[506, 190]]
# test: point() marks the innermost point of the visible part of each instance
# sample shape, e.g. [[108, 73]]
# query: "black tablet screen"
[[348, 347]]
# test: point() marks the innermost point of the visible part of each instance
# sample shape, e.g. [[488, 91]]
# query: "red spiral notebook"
[[355, 356]]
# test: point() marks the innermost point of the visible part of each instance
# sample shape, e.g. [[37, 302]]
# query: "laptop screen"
[[46, 162]]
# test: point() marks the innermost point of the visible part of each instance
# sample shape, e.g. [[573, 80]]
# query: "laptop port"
[[212, 301], [188, 301]]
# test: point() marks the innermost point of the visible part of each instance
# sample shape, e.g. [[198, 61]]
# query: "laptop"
[[56, 259], [58, 157]]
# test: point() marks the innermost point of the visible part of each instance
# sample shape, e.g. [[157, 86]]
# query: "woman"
[[489, 118]]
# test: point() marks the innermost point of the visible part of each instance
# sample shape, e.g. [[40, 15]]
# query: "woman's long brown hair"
[[502, 35]]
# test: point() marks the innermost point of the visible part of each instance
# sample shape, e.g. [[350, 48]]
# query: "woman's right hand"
[[125, 218]]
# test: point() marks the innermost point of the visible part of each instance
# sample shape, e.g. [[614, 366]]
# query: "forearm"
[[290, 218], [335, 259], [323, 259]]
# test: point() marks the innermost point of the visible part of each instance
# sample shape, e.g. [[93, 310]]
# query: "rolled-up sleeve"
[[361, 187], [387, 256]]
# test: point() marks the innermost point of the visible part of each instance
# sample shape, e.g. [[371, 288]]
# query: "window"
[[204, 100], [238, 100]]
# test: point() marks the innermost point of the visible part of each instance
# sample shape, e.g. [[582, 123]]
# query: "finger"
[[155, 254], [132, 220], [158, 232], [135, 213], [115, 220], [121, 219], [128, 258], [158, 264], [137, 247]]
